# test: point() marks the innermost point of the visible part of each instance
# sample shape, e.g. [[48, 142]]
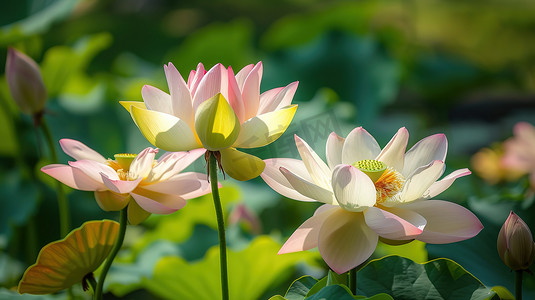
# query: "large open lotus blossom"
[[218, 111], [369, 194], [144, 184], [520, 150]]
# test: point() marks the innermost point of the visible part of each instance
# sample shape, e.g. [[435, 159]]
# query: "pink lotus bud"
[[25, 82], [515, 243]]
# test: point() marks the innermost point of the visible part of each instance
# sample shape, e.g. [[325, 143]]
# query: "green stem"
[[353, 280], [118, 243], [518, 284], [64, 217], [220, 227]]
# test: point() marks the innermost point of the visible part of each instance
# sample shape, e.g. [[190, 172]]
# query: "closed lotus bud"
[[25, 82], [515, 243]]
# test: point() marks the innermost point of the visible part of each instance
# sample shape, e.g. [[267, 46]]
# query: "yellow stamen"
[[389, 184]]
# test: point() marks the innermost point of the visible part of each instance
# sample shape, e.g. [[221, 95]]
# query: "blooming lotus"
[[216, 110], [155, 186], [520, 150], [369, 194]]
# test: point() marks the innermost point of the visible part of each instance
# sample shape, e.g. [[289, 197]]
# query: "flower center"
[[388, 182], [121, 164]]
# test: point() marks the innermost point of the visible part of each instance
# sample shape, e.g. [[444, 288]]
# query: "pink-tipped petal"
[[142, 164], [266, 98], [110, 201], [431, 148], [120, 186], [172, 163], [306, 236], [395, 223], [274, 178], [157, 203], [196, 80], [80, 151], [73, 177], [333, 151], [345, 241], [93, 169], [186, 185], [209, 86], [234, 96], [318, 170], [307, 188], [447, 222], [242, 75], [251, 91], [353, 189], [281, 99], [394, 152], [181, 101], [416, 185], [156, 99], [443, 184], [359, 145]]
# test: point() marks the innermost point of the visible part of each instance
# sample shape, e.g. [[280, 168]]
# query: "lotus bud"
[[515, 243], [25, 82]]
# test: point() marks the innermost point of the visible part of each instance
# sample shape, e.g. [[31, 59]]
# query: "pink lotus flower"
[[216, 110], [369, 194], [520, 150], [154, 186]]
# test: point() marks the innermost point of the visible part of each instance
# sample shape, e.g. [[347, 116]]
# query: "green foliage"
[[253, 270], [404, 279]]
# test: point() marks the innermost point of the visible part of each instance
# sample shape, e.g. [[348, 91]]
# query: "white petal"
[[443, 184], [156, 99], [307, 188], [447, 222], [242, 75], [345, 241], [157, 203], [421, 180], [120, 186], [359, 145], [80, 151], [172, 163], [307, 235], [318, 170], [278, 182], [333, 150], [180, 184], [142, 164], [395, 223], [251, 91], [353, 189], [394, 152], [431, 148], [209, 86]]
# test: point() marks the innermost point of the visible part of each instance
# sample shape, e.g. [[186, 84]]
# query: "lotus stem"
[[63, 204], [220, 227], [118, 243], [518, 284]]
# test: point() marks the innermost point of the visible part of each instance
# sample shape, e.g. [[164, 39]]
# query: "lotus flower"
[[369, 194], [25, 82], [520, 150], [154, 186], [515, 243], [218, 111]]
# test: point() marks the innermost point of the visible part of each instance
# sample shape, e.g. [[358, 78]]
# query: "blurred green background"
[[462, 68]]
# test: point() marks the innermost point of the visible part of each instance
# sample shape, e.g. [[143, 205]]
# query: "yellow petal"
[[111, 201], [128, 104], [63, 263], [216, 123], [265, 129], [164, 131], [136, 214], [241, 166]]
